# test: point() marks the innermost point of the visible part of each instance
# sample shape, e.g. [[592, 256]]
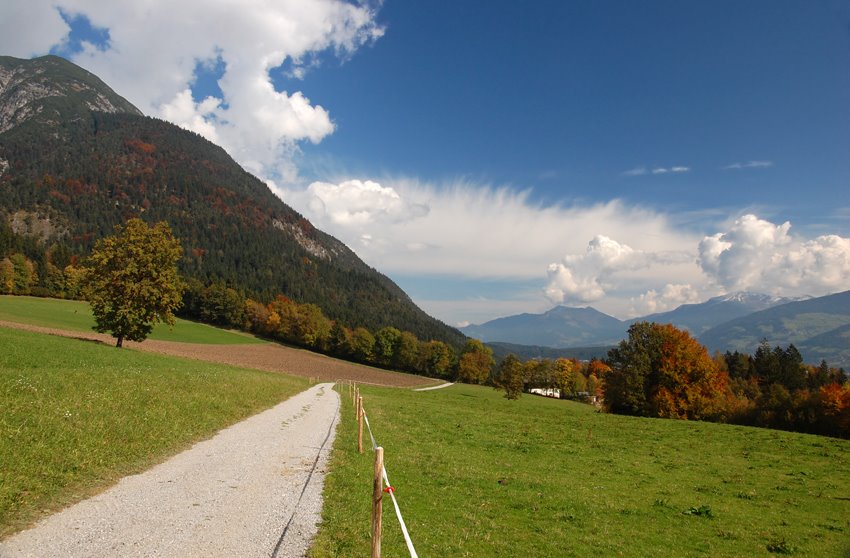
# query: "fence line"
[[389, 489]]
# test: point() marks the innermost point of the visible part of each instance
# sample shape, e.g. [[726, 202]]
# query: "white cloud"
[[749, 165], [470, 230], [670, 297], [155, 46], [757, 255], [637, 171], [664, 170], [30, 28], [360, 203], [588, 277]]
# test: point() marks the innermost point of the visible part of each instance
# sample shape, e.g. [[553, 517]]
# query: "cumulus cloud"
[[155, 47], [588, 277], [670, 297], [749, 165], [359, 203], [757, 255]]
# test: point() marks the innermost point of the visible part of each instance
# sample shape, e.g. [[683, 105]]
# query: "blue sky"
[[499, 157]]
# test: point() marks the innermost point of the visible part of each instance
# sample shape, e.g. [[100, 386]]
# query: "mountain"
[[76, 159], [699, 318], [51, 90], [559, 327], [818, 327]]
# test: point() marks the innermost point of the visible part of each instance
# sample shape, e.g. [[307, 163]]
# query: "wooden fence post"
[[360, 424], [356, 397], [377, 496]]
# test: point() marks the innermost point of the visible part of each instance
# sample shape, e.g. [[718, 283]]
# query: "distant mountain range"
[[699, 318], [559, 327], [819, 327], [76, 159]]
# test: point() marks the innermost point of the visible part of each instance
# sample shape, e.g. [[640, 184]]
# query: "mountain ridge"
[[73, 171], [819, 327]]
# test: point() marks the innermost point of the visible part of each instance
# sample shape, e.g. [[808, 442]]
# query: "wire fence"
[[387, 487]]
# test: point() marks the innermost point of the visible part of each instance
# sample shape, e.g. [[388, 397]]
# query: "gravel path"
[[253, 490], [441, 386]]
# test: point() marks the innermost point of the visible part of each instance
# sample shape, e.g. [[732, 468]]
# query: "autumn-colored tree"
[[131, 280], [510, 377], [310, 327], [564, 368], [662, 371], [835, 409], [74, 279], [539, 373], [476, 362], [437, 358], [256, 315], [7, 276], [597, 368]]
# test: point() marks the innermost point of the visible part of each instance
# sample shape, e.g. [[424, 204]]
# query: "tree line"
[[661, 371]]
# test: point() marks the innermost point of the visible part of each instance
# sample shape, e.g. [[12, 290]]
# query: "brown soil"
[[270, 356]]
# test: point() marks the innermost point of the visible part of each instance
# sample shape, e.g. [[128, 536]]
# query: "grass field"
[[477, 475], [75, 315], [76, 416]]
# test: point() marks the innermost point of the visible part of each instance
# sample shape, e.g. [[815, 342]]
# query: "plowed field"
[[269, 356]]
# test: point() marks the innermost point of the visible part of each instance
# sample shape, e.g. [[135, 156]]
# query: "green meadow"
[[75, 315], [478, 475], [76, 416]]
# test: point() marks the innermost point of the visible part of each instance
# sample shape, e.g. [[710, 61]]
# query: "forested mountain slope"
[[77, 159]]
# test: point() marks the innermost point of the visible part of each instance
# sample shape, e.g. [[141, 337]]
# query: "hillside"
[[818, 327], [77, 159]]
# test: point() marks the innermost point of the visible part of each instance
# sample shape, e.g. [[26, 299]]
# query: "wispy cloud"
[[665, 170], [642, 170], [749, 165]]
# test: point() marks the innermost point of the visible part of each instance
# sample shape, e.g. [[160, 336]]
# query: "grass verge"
[[477, 475], [75, 315], [76, 416]]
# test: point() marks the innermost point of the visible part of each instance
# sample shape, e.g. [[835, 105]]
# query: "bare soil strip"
[[253, 490], [270, 356]]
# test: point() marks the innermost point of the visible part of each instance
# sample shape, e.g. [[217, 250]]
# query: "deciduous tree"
[[131, 280], [662, 371], [476, 362], [510, 377]]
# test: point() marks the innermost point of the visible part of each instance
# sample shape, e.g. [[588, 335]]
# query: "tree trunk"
[[120, 342]]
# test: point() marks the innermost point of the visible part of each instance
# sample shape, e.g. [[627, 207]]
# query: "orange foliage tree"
[[662, 371]]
